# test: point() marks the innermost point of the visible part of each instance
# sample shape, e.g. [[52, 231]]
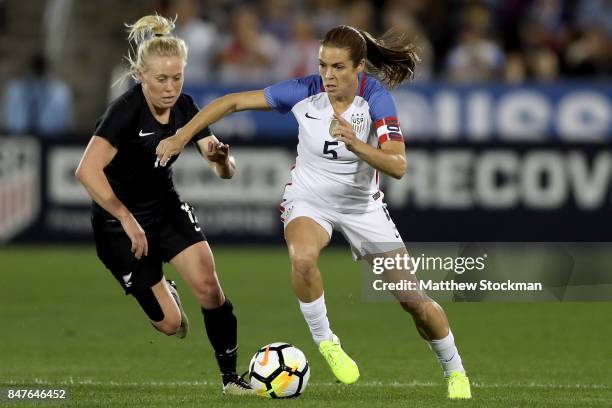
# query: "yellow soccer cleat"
[[343, 367], [458, 386]]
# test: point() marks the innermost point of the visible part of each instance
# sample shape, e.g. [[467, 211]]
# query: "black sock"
[[222, 330]]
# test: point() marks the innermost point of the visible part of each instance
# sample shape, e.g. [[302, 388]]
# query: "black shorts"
[[167, 236]]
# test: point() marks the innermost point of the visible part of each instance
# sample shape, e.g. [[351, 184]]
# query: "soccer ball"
[[279, 370]]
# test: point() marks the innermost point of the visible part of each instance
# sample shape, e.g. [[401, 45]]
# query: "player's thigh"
[[308, 230], [141, 278], [183, 244], [196, 266], [370, 233], [195, 262]]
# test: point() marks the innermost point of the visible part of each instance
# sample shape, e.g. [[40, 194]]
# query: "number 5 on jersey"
[[332, 152]]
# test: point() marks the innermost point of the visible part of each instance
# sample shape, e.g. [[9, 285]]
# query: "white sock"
[[447, 354], [315, 314]]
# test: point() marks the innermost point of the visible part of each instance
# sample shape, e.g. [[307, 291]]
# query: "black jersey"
[[135, 175]]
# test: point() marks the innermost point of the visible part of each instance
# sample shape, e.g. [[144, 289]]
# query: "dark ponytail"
[[392, 58]]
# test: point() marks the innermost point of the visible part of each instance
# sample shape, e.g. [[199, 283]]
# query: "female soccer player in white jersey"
[[348, 132]]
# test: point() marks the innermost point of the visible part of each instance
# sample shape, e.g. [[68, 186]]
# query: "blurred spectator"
[[515, 71], [539, 65], [590, 52], [529, 40], [435, 17], [301, 54], [37, 103], [360, 14], [200, 36], [595, 13], [476, 57], [276, 19], [590, 55], [325, 14], [542, 65], [544, 28], [218, 11], [395, 17], [247, 55]]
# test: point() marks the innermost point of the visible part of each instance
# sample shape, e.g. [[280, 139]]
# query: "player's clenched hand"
[[169, 147], [217, 152], [137, 235], [344, 132]]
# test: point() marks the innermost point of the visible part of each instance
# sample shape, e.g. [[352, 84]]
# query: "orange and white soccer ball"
[[279, 370]]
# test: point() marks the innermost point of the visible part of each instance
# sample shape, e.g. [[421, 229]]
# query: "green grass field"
[[65, 324]]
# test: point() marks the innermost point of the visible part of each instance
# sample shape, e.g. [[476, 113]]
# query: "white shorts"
[[372, 232]]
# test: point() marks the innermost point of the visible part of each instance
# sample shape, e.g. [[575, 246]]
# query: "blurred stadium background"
[[508, 126], [508, 120]]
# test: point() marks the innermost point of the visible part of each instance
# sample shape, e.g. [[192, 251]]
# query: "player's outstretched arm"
[[211, 113], [90, 173], [218, 156]]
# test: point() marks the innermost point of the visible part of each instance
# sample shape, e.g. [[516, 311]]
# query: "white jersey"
[[326, 172]]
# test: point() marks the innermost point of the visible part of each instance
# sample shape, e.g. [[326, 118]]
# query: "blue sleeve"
[[382, 105], [284, 95], [384, 114]]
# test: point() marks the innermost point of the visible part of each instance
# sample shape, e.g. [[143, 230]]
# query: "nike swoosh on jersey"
[[144, 134], [311, 117]]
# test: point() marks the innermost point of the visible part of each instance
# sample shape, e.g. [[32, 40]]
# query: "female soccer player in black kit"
[[138, 219]]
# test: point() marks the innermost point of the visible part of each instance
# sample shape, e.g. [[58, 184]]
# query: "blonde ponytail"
[[148, 27], [150, 36]]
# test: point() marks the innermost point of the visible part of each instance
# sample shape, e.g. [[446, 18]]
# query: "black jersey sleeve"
[[192, 111], [116, 121]]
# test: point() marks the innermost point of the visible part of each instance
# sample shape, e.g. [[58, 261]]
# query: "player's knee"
[[171, 322], [206, 287], [415, 308], [170, 325], [304, 264], [169, 329]]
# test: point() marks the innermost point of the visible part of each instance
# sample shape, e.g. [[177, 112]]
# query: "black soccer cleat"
[[184, 329], [233, 384]]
